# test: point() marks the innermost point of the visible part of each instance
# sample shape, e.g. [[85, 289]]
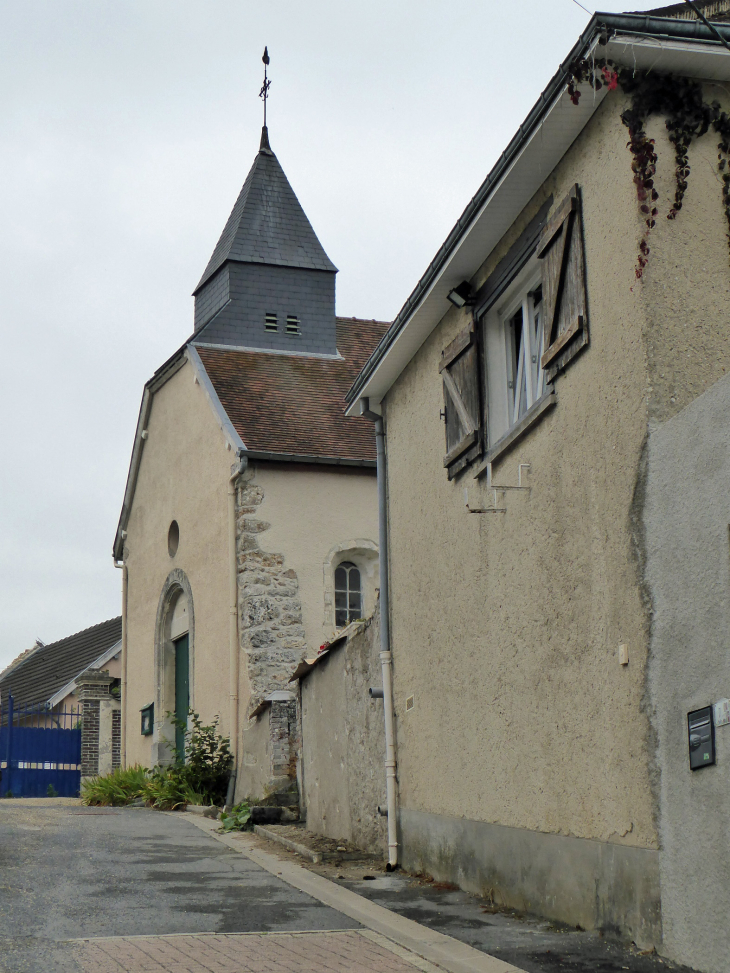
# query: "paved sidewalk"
[[329, 952]]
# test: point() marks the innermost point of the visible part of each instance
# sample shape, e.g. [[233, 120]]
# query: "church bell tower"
[[268, 284]]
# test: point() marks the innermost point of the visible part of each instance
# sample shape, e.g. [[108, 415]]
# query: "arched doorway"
[[180, 659], [174, 653]]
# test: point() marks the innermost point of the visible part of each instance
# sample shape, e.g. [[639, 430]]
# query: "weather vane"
[[264, 93]]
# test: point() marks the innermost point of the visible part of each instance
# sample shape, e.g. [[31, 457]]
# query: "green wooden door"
[[182, 691]]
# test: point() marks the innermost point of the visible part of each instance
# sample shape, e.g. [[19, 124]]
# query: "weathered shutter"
[[459, 369], [563, 286]]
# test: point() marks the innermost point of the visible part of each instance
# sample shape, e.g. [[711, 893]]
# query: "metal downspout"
[[233, 649], [385, 653], [123, 568]]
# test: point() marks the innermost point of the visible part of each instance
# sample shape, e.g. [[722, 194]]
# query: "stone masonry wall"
[[283, 727], [100, 724], [270, 611]]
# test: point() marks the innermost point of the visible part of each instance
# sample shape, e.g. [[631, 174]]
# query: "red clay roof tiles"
[[294, 404]]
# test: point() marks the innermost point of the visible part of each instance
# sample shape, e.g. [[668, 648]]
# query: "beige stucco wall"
[[686, 291], [532, 722], [312, 511], [183, 476]]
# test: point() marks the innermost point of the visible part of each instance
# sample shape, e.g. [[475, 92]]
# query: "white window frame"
[[503, 377], [348, 566], [529, 354]]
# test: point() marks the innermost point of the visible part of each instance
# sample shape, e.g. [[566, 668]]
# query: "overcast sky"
[[127, 128]]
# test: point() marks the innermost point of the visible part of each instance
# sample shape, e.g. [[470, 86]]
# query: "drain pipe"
[[123, 567], [386, 658], [233, 648]]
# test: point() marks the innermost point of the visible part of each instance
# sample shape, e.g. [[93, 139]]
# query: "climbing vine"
[[687, 116]]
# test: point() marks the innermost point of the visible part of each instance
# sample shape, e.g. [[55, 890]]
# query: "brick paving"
[[323, 952]]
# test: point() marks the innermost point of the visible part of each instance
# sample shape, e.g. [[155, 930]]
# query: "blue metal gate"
[[40, 752]]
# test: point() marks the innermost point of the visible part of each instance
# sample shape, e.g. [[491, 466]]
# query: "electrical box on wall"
[[701, 730]]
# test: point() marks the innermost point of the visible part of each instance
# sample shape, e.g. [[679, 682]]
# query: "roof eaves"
[[96, 664], [229, 430], [600, 23], [314, 459]]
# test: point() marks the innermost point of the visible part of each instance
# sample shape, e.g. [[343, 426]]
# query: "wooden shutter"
[[563, 286], [459, 369]]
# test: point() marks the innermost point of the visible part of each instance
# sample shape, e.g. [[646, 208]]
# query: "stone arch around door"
[[175, 619], [364, 554]]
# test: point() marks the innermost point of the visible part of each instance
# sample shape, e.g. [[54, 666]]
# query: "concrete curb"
[[205, 810], [435, 947], [302, 850]]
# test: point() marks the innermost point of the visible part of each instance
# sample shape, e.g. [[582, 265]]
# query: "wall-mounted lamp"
[[461, 294]]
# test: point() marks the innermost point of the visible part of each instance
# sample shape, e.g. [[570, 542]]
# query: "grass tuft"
[[115, 789]]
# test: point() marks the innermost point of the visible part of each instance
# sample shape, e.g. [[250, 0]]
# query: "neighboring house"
[[559, 568], [45, 677], [248, 533]]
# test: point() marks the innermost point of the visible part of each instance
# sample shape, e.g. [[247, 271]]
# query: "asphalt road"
[[68, 872]]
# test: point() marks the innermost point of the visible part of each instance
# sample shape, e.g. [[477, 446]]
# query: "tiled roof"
[[268, 225], [51, 667], [292, 404]]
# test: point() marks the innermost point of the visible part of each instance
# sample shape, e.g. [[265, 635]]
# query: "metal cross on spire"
[[264, 93]]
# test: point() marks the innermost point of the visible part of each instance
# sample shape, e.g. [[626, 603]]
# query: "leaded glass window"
[[348, 594]]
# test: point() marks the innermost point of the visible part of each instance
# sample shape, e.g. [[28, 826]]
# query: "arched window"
[[348, 594]]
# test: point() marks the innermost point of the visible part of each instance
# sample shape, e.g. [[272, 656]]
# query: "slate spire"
[[267, 225], [269, 282]]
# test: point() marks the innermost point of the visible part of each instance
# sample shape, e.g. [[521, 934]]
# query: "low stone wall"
[[342, 777], [268, 771]]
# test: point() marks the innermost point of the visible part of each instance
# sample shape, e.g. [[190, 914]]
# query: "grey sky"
[[126, 130]]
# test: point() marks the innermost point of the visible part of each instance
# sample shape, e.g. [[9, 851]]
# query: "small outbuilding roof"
[[293, 405], [306, 665], [38, 677]]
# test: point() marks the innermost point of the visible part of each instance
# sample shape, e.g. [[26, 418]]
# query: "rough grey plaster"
[[254, 770], [686, 516], [343, 743], [594, 884]]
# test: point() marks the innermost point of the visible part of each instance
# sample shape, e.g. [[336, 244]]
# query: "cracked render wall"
[[269, 607]]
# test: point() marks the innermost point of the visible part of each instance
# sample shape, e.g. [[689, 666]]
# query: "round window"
[[173, 539]]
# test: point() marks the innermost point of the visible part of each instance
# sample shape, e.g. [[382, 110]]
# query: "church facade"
[[248, 533]]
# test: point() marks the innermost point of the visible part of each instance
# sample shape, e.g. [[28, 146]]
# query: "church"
[[248, 531]]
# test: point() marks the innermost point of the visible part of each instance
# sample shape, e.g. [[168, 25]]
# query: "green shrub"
[[205, 766], [199, 775], [115, 789], [237, 819]]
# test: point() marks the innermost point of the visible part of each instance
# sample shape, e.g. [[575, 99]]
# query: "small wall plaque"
[[722, 712]]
